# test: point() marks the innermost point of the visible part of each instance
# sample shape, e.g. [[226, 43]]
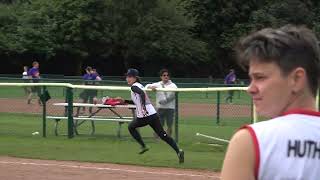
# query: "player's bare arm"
[[239, 161]]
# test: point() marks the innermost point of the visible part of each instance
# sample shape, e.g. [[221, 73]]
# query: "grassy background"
[[240, 97], [17, 140]]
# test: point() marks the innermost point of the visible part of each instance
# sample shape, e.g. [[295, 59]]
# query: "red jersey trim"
[[256, 149], [301, 111]]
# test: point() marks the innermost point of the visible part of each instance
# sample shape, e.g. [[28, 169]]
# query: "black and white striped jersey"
[[140, 98]]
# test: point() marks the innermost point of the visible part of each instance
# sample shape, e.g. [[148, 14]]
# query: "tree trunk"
[[125, 59], [79, 66]]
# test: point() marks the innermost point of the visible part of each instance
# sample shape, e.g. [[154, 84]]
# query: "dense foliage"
[[190, 37]]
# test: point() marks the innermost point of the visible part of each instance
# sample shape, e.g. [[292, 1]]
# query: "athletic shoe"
[[181, 156], [143, 150]]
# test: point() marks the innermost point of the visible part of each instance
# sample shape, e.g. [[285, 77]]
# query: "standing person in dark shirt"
[[89, 95], [34, 75], [96, 75], [95, 78], [230, 80], [84, 95]]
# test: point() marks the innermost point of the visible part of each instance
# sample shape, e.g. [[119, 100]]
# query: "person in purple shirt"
[[230, 80], [34, 75], [89, 95], [96, 75], [84, 95]]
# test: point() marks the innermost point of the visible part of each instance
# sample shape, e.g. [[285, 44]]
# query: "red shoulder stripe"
[[302, 111], [256, 149]]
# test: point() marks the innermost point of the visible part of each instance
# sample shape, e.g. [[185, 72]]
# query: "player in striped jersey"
[[146, 115]]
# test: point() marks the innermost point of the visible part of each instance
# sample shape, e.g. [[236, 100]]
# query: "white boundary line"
[[107, 169], [211, 137]]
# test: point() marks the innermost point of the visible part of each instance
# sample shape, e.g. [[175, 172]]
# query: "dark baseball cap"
[[132, 72]]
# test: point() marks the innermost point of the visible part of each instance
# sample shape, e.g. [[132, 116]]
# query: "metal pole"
[[44, 113], [318, 100], [66, 101], [70, 113], [177, 117], [218, 107]]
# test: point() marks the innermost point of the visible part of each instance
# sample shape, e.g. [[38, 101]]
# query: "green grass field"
[[240, 97], [17, 140]]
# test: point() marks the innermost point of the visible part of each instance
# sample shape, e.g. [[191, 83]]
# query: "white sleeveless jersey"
[[288, 147], [137, 101]]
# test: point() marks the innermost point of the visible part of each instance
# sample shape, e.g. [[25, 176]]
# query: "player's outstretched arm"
[[153, 86], [239, 162], [141, 93]]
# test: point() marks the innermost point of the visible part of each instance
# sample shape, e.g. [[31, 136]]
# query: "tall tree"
[[135, 31], [214, 21], [152, 31], [222, 23]]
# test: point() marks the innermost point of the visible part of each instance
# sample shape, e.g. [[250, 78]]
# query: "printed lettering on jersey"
[[303, 149], [289, 146]]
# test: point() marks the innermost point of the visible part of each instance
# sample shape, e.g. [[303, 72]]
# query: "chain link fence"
[[23, 114]]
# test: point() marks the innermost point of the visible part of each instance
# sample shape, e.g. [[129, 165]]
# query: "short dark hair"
[[138, 79], [34, 63], [289, 47], [88, 68], [162, 71]]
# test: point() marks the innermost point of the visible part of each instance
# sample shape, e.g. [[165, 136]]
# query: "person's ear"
[[298, 78]]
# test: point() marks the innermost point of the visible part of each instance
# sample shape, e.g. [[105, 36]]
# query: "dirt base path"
[[29, 169]]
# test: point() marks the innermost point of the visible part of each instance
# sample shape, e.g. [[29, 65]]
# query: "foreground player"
[[146, 115], [284, 71]]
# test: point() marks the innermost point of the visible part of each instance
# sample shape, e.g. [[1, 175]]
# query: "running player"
[[284, 71], [146, 115]]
